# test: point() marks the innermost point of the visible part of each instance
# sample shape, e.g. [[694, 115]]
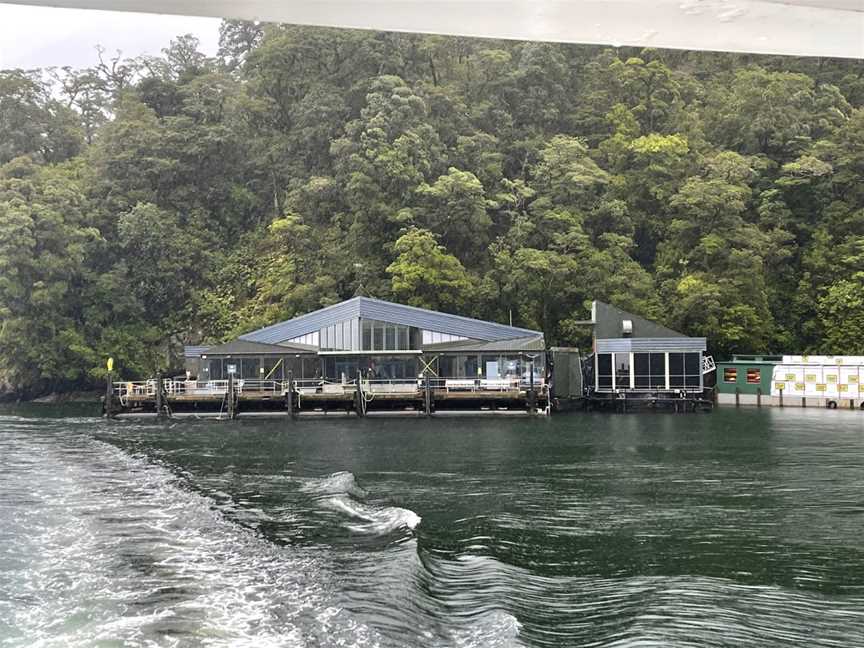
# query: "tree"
[[454, 208], [32, 123], [44, 252], [841, 313], [425, 275]]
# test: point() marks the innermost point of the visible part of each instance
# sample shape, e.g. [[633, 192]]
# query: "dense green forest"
[[154, 202]]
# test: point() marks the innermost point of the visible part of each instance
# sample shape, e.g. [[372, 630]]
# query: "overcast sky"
[[33, 37]]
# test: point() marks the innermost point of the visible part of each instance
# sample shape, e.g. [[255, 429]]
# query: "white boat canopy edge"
[[829, 28]]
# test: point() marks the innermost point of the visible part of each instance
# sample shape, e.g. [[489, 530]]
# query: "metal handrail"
[[171, 387]]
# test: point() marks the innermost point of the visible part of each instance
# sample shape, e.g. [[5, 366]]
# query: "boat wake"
[[100, 546], [340, 493]]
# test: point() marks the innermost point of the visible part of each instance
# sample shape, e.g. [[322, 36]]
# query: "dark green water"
[[737, 528]]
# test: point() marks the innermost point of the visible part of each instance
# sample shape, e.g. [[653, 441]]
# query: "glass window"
[[294, 365], [396, 367], [622, 370], [329, 363], [730, 375], [353, 341], [604, 370], [692, 364], [273, 368], [676, 370], [379, 336], [367, 335], [685, 370], [469, 366], [390, 337], [693, 370], [403, 338], [649, 370], [216, 372], [250, 368], [754, 376], [446, 367], [345, 369], [642, 370], [311, 368], [658, 371], [511, 367]]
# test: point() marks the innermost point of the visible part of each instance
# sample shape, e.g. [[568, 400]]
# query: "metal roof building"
[[633, 354], [377, 337]]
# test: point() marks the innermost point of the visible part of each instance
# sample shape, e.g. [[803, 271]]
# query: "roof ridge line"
[[460, 317]]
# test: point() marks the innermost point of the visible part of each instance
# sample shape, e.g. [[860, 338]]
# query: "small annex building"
[[378, 340], [637, 357], [746, 379]]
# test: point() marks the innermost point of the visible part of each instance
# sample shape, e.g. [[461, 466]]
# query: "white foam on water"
[[97, 546], [340, 492], [495, 629], [342, 482], [364, 518]]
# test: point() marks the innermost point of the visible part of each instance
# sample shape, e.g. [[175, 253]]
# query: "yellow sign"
[[821, 387], [810, 378], [853, 379], [780, 386], [790, 376], [843, 388], [799, 386], [831, 378], [110, 364]]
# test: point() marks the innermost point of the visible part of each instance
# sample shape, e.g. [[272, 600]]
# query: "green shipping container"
[[746, 373]]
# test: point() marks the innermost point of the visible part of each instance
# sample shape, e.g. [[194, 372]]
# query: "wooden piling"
[[160, 409], [359, 402], [230, 396], [532, 395], [758, 397], [427, 395], [737, 397], [289, 395]]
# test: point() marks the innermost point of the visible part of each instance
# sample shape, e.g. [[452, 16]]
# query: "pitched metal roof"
[[369, 308], [608, 322], [530, 343], [194, 351], [248, 347]]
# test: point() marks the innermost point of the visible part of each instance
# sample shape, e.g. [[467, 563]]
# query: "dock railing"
[[170, 387], [144, 389]]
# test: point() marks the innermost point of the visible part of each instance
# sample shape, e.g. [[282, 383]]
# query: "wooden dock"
[[232, 398]]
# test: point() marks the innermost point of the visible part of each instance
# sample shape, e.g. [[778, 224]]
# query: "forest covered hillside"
[[155, 202]]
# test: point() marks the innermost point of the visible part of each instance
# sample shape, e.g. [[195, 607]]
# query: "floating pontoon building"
[[363, 354], [639, 362]]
